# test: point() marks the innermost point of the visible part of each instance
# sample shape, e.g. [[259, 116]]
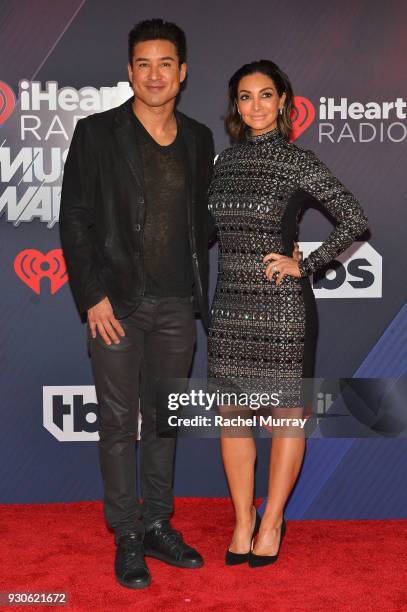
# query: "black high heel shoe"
[[232, 558], [261, 560]]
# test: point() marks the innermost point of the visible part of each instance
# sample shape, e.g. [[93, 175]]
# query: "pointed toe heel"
[[232, 558], [262, 560]]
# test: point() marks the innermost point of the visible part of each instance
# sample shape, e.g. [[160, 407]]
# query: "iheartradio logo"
[[302, 115], [31, 266], [7, 102]]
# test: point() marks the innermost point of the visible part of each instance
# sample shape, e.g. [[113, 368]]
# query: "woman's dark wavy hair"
[[234, 124]]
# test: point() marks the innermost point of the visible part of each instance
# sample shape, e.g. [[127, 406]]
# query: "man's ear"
[[130, 72], [183, 72]]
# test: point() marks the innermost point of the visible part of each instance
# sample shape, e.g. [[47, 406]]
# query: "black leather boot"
[[163, 542], [130, 568]]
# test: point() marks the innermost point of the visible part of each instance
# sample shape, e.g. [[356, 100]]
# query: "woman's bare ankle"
[[246, 518]]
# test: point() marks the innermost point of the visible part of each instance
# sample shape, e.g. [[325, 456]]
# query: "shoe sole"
[[135, 586], [264, 564], [165, 559], [231, 563]]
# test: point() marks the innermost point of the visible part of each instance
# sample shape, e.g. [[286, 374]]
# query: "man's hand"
[[101, 318]]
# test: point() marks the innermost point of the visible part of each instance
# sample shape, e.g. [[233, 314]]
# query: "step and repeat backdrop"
[[62, 61]]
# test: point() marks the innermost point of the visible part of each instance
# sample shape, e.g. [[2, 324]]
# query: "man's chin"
[[156, 100]]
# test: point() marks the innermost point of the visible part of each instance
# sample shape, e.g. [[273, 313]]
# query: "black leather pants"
[[159, 342]]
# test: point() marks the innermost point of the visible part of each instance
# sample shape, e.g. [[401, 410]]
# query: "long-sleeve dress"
[[259, 331]]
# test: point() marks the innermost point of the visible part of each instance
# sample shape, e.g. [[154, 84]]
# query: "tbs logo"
[[355, 273], [70, 413]]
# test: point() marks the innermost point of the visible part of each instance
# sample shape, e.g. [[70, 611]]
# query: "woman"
[[263, 318]]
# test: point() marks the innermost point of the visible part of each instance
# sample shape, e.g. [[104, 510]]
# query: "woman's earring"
[[237, 108], [280, 110]]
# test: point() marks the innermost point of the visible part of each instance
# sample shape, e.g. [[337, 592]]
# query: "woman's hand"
[[282, 266], [296, 252]]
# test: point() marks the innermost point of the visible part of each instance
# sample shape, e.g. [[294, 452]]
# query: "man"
[[135, 229]]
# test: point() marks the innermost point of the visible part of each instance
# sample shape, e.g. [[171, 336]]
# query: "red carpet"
[[324, 565]]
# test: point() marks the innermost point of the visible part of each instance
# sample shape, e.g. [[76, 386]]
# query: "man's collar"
[[125, 112]]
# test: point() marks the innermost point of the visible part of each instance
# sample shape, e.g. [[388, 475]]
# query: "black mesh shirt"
[[167, 253]]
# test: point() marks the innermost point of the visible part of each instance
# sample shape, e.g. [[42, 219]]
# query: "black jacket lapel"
[[190, 148], [126, 136]]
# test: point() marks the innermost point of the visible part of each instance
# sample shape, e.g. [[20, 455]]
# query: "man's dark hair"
[[155, 29]]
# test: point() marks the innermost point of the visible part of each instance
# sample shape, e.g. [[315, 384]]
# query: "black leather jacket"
[[102, 210]]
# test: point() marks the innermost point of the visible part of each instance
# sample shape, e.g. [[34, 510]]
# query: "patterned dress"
[[259, 331]]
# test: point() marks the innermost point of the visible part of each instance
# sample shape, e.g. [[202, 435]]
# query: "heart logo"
[[7, 102], [302, 115], [31, 266]]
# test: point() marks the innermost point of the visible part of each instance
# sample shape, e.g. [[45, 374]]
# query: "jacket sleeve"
[[212, 230], [317, 180], [76, 218]]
